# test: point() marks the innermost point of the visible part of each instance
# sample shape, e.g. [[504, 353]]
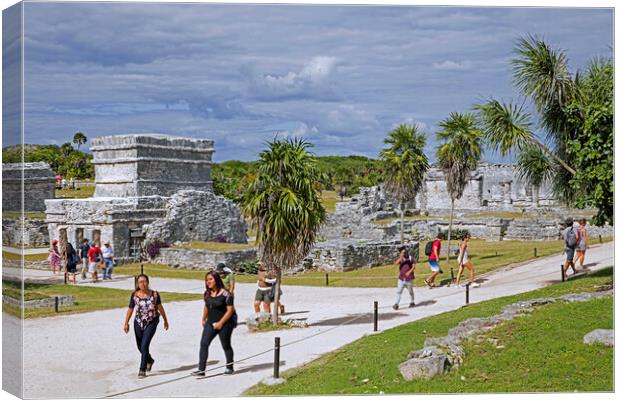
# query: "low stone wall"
[[203, 259], [63, 301], [347, 255], [27, 232]]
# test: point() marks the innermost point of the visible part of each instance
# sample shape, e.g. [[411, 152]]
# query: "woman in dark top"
[[71, 261], [218, 318], [147, 304]]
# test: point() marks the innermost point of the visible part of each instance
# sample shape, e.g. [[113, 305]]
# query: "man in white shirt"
[[108, 260]]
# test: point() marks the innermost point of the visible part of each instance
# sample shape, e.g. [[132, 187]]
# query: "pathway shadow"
[[257, 367], [295, 312], [366, 318], [179, 369], [425, 303]]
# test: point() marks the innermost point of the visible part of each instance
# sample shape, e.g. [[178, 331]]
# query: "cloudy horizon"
[[339, 76]]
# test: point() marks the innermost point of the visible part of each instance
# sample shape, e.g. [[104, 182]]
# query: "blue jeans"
[[143, 340], [108, 268]]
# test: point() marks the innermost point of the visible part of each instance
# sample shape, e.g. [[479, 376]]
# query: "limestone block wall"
[[196, 215], [38, 184], [150, 164], [27, 232], [346, 255], [203, 259], [63, 301]]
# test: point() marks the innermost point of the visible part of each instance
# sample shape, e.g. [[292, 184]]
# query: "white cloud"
[[450, 65]]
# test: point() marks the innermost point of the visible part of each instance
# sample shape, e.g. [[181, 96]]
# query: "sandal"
[[427, 282]]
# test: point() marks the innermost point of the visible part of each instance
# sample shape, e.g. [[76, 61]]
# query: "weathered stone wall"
[[38, 185], [63, 301], [346, 255], [203, 259], [27, 232], [193, 215], [150, 164]]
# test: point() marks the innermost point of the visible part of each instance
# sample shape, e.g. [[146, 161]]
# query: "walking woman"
[[71, 261], [147, 304], [464, 262], [582, 243], [55, 257], [218, 318]]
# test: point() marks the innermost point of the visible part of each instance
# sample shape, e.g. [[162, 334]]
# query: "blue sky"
[[340, 76]]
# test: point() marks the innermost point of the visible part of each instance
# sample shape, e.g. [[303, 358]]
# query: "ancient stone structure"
[[25, 231], [348, 254], [203, 259], [147, 185], [38, 184]]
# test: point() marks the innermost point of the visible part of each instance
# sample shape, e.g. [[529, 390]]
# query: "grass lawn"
[[216, 246], [28, 215], [77, 193], [329, 198], [6, 255], [86, 298], [544, 352], [482, 254]]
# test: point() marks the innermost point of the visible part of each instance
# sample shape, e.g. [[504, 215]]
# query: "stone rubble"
[[602, 336]]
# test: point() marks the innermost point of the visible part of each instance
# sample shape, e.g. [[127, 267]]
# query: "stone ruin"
[[148, 187], [38, 184]]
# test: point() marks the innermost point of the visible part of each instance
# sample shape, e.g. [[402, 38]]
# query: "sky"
[[339, 76]]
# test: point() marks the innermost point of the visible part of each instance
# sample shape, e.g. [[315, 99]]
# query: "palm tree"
[[458, 156], [405, 165], [534, 167], [66, 149], [79, 138], [283, 204]]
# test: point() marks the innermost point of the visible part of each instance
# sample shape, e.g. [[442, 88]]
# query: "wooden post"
[[563, 272], [276, 358], [467, 294], [600, 239], [535, 252], [326, 279], [56, 303], [451, 275], [141, 269]]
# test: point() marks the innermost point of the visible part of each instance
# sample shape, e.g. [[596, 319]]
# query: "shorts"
[[570, 254], [263, 295], [71, 268], [434, 265], [92, 266]]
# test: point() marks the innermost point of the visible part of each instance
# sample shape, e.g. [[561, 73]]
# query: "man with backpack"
[[432, 250], [571, 238], [406, 266], [95, 257], [83, 253]]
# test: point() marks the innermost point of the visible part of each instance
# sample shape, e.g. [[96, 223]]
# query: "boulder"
[[602, 336]]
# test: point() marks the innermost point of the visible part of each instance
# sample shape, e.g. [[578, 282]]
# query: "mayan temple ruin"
[[148, 186]]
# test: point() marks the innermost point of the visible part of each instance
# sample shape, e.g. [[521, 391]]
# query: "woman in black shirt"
[[218, 318]]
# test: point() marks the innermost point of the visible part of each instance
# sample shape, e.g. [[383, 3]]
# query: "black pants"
[[208, 334], [143, 340]]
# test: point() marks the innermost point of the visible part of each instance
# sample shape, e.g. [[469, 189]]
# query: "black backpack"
[[429, 248]]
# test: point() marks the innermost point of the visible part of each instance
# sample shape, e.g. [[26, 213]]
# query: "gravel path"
[[88, 355]]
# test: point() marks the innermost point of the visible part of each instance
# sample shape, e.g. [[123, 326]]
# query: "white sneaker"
[[475, 284]]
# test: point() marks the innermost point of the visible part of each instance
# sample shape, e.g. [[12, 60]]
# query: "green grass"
[[86, 298], [215, 246], [486, 257], [77, 193], [28, 215], [329, 198], [6, 255], [544, 352]]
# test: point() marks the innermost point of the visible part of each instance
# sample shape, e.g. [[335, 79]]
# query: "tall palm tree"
[[283, 204], [79, 138], [458, 156], [534, 167], [405, 165]]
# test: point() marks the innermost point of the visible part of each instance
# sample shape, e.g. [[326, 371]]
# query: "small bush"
[[153, 248], [457, 234], [248, 267]]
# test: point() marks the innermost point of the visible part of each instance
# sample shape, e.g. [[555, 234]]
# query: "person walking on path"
[[570, 244], [148, 307], [55, 257], [71, 261], [108, 260], [406, 265], [83, 250], [582, 243], [228, 277], [433, 260], [465, 262], [218, 319], [94, 258], [263, 292]]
